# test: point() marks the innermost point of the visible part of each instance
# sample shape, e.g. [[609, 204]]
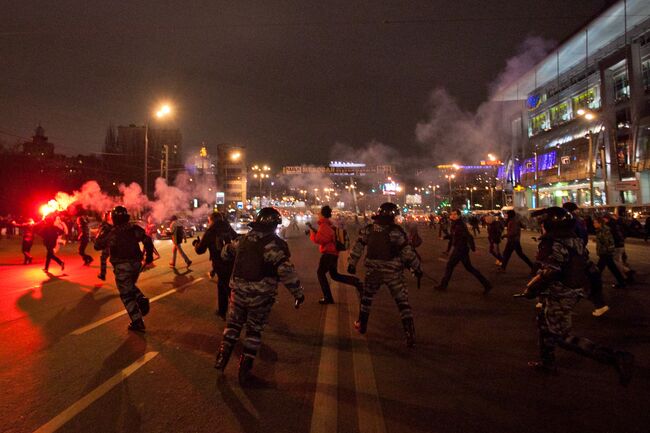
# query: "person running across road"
[[513, 243], [495, 231], [178, 236], [50, 233], [123, 239], [325, 238], [216, 237], [559, 284], [262, 259], [605, 248], [461, 242], [83, 237], [28, 239], [387, 253]]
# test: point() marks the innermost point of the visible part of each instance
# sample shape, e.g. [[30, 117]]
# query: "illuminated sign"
[[221, 197], [338, 168], [495, 162], [566, 160], [390, 188], [533, 101]]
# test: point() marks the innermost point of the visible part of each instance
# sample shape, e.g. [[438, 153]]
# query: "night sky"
[[287, 79]]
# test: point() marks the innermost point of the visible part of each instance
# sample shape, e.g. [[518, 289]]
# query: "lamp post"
[[260, 172], [162, 112], [471, 190], [588, 115], [449, 177]]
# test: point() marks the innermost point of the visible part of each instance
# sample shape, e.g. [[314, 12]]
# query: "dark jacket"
[[461, 240], [50, 233], [617, 232], [581, 230], [495, 231], [514, 229], [215, 237], [124, 243], [604, 242]]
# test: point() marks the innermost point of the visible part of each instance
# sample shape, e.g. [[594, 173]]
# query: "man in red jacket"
[[325, 237]]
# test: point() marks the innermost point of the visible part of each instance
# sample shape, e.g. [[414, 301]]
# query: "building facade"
[[164, 153], [231, 175], [581, 123]]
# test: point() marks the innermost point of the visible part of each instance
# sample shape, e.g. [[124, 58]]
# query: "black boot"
[[245, 367], [409, 331], [223, 356], [143, 303], [361, 325]]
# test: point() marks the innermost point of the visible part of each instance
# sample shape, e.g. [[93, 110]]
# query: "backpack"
[[341, 238]]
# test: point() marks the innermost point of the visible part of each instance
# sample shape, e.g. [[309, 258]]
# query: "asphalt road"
[[68, 363]]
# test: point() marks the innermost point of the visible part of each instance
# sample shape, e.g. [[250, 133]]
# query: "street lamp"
[[164, 111], [588, 115], [260, 172], [449, 177], [471, 195]]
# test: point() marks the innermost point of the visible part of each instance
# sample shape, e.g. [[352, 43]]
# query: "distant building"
[[164, 152], [39, 146], [231, 173], [581, 119]]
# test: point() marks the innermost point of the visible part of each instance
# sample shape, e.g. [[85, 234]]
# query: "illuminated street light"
[[164, 111], [588, 115], [235, 156], [449, 177]]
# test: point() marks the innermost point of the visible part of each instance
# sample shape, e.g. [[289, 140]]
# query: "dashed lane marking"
[[369, 412], [324, 418], [100, 322], [80, 405]]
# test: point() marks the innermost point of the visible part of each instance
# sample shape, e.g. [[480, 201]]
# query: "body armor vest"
[[379, 244], [249, 262]]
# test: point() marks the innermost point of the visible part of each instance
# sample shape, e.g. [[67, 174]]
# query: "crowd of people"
[[249, 267]]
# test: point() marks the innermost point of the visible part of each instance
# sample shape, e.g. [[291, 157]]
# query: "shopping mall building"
[[580, 119]]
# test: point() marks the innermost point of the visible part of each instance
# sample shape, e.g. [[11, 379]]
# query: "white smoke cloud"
[[451, 134]]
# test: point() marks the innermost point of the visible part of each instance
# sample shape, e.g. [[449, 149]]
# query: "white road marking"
[[80, 405], [369, 413], [100, 322], [324, 418]]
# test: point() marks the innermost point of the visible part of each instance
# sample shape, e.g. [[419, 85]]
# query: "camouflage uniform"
[[389, 272], [558, 303], [251, 301]]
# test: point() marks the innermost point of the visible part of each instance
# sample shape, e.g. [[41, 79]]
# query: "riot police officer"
[[261, 260], [124, 240], [388, 252], [559, 284]]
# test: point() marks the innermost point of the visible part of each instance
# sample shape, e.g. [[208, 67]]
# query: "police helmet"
[[387, 210], [268, 216], [120, 215], [554, 219]]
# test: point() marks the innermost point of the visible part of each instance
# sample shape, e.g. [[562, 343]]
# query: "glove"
[[299, 301], [352, 269], [196, 241]]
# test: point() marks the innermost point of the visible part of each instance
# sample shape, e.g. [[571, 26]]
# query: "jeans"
[[329, 264]]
